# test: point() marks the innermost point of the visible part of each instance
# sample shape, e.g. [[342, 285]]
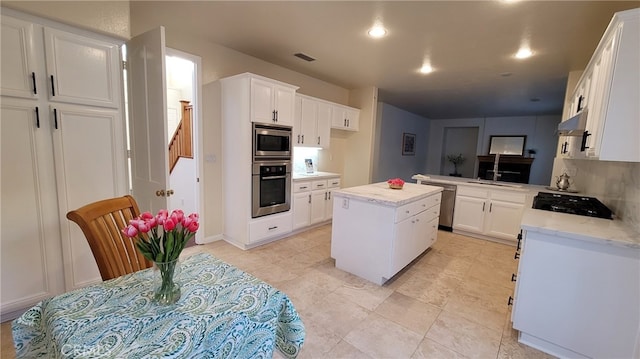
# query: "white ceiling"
[[469, 43]]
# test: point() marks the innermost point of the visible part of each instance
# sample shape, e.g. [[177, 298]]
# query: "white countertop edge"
[[464, 181], [380, 193], [315, 176], [595, 230]]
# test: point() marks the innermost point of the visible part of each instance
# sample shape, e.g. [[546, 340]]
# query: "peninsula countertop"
[[380, 193]]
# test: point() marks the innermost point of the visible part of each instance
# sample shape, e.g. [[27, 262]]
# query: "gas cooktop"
[[563, 203]]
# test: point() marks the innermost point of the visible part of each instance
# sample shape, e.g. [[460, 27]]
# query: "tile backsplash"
[[616, 184]]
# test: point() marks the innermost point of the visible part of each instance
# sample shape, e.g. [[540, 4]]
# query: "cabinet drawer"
[[413, 208], [301, 187], [508, 196], [473, 192], [320, 184], [333, 182], [270, 226]]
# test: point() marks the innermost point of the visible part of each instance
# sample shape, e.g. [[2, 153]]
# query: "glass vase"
[[166, 289]]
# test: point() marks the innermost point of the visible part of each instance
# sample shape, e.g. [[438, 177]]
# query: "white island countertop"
[[380, 193], [584, 228]]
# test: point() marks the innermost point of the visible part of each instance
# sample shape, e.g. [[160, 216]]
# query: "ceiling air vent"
[[304, 57]]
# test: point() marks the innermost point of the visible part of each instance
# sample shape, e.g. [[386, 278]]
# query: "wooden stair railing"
[[181, 144]]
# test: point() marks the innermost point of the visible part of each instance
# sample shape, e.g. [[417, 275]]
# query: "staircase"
[[181, 144]]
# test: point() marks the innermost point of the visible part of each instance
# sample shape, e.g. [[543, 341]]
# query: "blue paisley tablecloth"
[[223, 313]]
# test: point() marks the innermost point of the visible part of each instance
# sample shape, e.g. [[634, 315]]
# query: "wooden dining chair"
[[101, 223]]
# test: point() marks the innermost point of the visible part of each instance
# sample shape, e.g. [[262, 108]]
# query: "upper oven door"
[[271, 142]]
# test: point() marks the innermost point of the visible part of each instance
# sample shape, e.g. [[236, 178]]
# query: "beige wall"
[[106, 17], [219, 62]]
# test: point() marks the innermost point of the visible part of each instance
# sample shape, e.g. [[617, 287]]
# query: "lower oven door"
[[271, 189]]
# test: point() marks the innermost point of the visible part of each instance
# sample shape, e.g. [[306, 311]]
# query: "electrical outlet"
[[345, 203]]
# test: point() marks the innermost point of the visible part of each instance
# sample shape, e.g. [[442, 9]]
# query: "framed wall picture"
[[408, 144]]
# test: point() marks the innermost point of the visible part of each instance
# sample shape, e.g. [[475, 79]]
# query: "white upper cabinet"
[[272, 102], [82, 70], [609, 90], [79, 69], [345, 118], [312, 126], [18, 59]]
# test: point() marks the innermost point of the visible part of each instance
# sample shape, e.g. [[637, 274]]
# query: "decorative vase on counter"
[[166, 290]]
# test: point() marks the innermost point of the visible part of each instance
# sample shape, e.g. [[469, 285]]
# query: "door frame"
[[197, 130]]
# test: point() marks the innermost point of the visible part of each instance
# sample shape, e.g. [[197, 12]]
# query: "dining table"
[[223, 312]]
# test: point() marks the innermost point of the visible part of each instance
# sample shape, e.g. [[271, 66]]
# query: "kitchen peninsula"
[[377, 230]]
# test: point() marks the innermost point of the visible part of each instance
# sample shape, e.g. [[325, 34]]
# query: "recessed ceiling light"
[[524, 53], [426, 69], [377, 31]]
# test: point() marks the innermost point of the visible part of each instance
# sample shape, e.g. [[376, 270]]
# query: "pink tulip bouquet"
[[161, 238]]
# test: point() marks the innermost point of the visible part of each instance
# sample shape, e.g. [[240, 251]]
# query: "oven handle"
[[273, 177]]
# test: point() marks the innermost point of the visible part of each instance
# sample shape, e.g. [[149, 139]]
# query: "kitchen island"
[[377, 231]]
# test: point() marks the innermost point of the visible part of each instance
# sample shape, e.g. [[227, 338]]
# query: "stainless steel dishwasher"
[[447, 204]]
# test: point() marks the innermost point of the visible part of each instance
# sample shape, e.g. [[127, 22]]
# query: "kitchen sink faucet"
[[496, 175]]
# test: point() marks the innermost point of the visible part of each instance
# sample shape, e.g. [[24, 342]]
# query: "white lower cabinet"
[[489, 212], [577, 298], [312, 201]]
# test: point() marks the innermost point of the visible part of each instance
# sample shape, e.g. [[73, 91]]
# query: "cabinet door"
[[323, 129], [328, 214], [601, 82], [29, 240], [403, 246], [284, 104], [82, 70], [301, 209], [297, 123], [308, 122], [424, 231], [353, 118], [469, 214], [19, 57], [503, 220], [90, 165], [318, 203], [338, 117], [262, 109]]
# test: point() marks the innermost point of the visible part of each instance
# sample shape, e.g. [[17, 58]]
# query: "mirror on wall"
[[507, 145]]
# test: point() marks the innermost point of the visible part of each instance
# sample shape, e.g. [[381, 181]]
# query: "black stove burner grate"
[[582, 206]]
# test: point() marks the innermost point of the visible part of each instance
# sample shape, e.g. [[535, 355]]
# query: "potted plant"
[[531, 152], [456, 160]]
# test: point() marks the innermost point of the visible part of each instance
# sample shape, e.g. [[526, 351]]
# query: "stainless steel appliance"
[[271, 187], [563, 203], [271, 142], [446, 205]]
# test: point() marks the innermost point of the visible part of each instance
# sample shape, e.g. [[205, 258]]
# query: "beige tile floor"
[[449, 303]]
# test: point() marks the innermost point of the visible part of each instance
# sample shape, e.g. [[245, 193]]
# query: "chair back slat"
[[101, 223]]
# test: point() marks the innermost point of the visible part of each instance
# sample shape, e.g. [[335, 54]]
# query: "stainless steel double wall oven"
[[271, 173]]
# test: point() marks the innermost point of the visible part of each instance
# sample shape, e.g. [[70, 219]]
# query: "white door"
[[148, 119]]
